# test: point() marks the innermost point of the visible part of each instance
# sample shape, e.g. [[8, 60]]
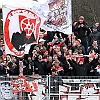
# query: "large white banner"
[[57, 13], [21, 29], [21, 26]]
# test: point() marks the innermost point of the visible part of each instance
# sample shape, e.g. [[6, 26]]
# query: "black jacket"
[[14, 70], [54, 86], [81, 70], [94, 36], [82, 30], [42, 68], [64, 64], [2, 70]]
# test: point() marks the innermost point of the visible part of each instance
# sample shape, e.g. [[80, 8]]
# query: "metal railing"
[[49, 88]]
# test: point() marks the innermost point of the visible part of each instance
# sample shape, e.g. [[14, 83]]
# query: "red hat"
[[44, 51], [81, 18]]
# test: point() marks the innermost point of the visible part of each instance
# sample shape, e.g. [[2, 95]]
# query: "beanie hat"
[[44, 51], [81, 18], [94, 27]]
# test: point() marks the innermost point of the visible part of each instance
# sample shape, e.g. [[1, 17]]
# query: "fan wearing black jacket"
[[81, 68], [82, 30]]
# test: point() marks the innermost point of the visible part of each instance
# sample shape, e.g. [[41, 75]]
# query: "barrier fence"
[[49, 88]]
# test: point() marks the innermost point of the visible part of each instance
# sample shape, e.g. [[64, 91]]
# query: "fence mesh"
[[49, 88]]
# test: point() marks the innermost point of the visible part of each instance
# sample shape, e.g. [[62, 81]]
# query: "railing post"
[[59, 92], [49, 86]]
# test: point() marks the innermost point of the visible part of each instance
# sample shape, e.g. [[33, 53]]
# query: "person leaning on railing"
[[55, 81]]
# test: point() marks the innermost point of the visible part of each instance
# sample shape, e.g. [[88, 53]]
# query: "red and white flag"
[[21, 29]]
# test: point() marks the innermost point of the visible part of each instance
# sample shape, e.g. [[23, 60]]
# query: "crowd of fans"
[[76, 54]]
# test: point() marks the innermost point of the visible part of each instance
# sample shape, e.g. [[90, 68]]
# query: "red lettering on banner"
[[21, 85]]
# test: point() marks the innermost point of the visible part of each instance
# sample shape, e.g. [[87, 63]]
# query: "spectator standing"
[[64, 50], [77, 46], [2, 70], [40, 66], [95, 46], [95, 35], [58, 67], [49, 65], [55, 57], [45, 55], [13, 64], [82, 29], [8, 58], [34, 55], [41, 45], [97, 67], [29, 63], [21, 68], [55, 81], [97, 25], [63, 63], [71, 39], [81, 68]]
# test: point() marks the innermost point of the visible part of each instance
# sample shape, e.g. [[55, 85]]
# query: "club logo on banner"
[[21, 29]]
